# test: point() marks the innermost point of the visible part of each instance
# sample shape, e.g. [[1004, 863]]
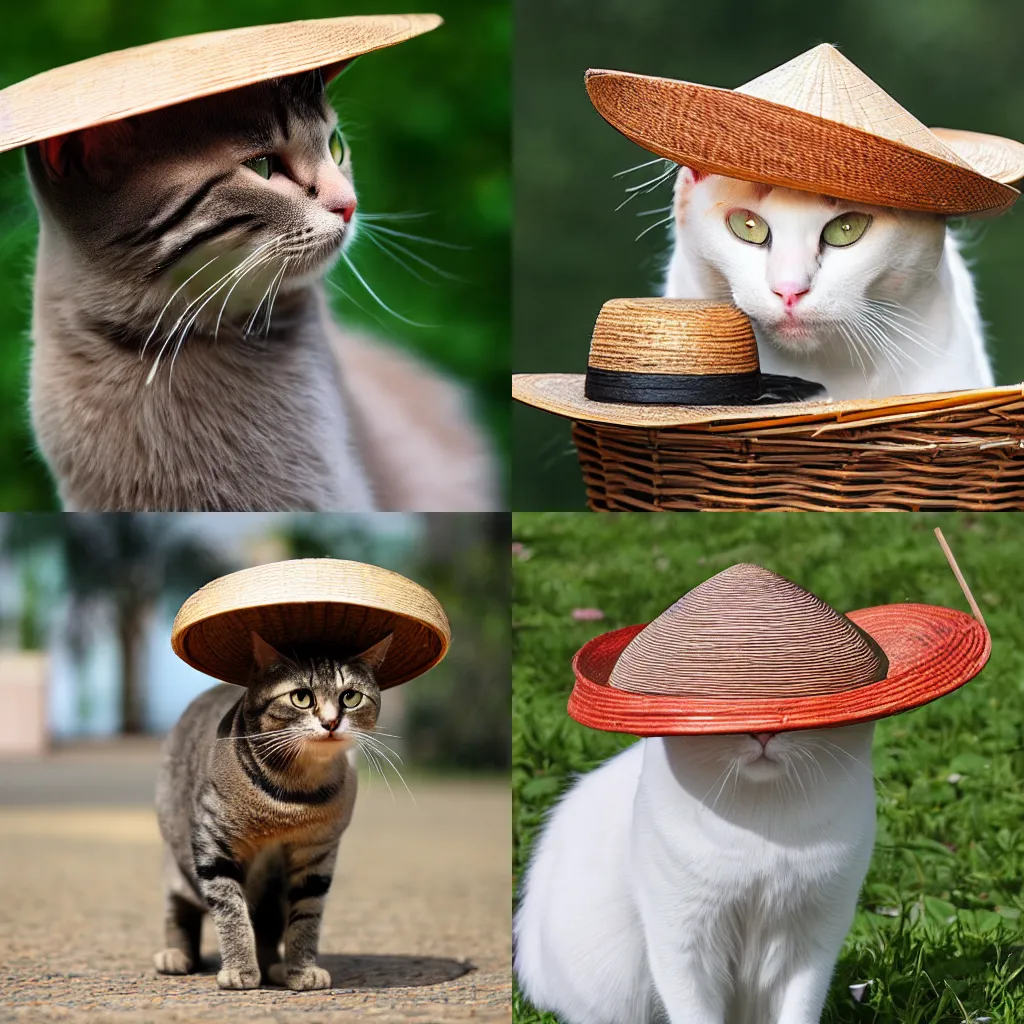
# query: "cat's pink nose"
[[762, 738], [790, 293], [345, 212]]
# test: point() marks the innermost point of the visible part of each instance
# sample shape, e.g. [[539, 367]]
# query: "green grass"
[[949, 857]]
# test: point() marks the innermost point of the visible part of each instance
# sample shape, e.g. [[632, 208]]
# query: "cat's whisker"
[[903, 330], [656, 224], [637, 167], [391, 248], [174, 295], [408, 236], [845, 330], [882, 342], [227, 298], [381, 753], [273, 298], [371, 759], [641, 190], [252, 260], [651, 213], [377, 743], [383, 305]]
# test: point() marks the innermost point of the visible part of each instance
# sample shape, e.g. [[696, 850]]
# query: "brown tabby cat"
[[185, 356], [255, 791]]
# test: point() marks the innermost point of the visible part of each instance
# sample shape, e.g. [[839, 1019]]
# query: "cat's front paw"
[[172, 961], [300, 978], [230, 977]]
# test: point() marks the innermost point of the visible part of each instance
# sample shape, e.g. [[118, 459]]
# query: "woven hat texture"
[[749, 632], [124, 83], [750, 651], [325, 601], [816, 123]]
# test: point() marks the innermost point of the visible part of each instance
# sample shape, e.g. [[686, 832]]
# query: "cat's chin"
[[327, 746], [791, 335], [762, 769]]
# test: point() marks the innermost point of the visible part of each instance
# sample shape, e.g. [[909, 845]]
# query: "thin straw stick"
[[959, 577]]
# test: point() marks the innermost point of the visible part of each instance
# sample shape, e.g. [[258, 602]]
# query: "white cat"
[[865, 300], [700, 880]]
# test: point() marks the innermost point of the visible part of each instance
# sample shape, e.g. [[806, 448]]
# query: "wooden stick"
[[959, 577]]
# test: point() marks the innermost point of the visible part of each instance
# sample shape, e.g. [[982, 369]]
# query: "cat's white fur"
[[894, 313], [700, 880]]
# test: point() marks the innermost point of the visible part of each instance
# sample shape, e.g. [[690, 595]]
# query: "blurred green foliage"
[[954, 63], [428, 125], [938, 931]]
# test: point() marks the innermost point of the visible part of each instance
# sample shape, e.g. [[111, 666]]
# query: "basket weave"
[[969, 458]]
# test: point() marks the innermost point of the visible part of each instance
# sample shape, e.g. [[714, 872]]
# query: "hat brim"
[[325, 601], [931, 650], [720, 131], [113, 86], [563, 395]]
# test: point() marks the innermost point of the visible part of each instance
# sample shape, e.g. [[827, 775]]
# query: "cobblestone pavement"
[[417, 926]]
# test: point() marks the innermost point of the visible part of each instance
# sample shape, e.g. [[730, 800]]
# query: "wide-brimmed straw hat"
[[750, 651], [815, 123], [322, 601], [124, 83], [660, 363]]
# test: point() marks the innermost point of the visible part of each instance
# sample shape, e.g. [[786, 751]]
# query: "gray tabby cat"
[[185, 356], [253, 796]]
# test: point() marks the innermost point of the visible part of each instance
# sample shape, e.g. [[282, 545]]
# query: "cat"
[[700, 880], [867, 301], [184, 354], [254, 792]]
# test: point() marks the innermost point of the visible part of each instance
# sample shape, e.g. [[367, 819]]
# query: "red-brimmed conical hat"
[[750, 651]]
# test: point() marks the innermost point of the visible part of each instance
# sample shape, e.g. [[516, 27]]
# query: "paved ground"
[[417, 926]]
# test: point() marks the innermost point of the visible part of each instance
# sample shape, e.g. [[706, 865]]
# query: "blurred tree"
[[120, 563], [462, 718]]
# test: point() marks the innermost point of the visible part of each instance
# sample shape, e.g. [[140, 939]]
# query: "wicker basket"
[[968, 458]]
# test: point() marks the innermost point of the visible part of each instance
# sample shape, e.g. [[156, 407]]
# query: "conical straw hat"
[[750, 651], [116, 85], [816, 123], [323, 601], [748, 631]]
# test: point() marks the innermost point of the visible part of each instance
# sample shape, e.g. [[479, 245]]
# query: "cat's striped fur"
[[253, 796], [185, 356]]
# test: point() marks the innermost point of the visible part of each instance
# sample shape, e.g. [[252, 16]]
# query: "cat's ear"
[[264, 654], [688, 176], [374, 656], [331, 71], [88, 150]]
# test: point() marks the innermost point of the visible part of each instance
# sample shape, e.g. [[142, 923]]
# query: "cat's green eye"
[[260, 164], [748, 227], [845, 229], [303, 699], [351, 698], [337, 147]]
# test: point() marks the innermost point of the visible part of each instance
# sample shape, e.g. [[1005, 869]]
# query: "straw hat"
[[675, 352], [750, 651], [311, 601], [816, 123], [659, 363], [116, 85]]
